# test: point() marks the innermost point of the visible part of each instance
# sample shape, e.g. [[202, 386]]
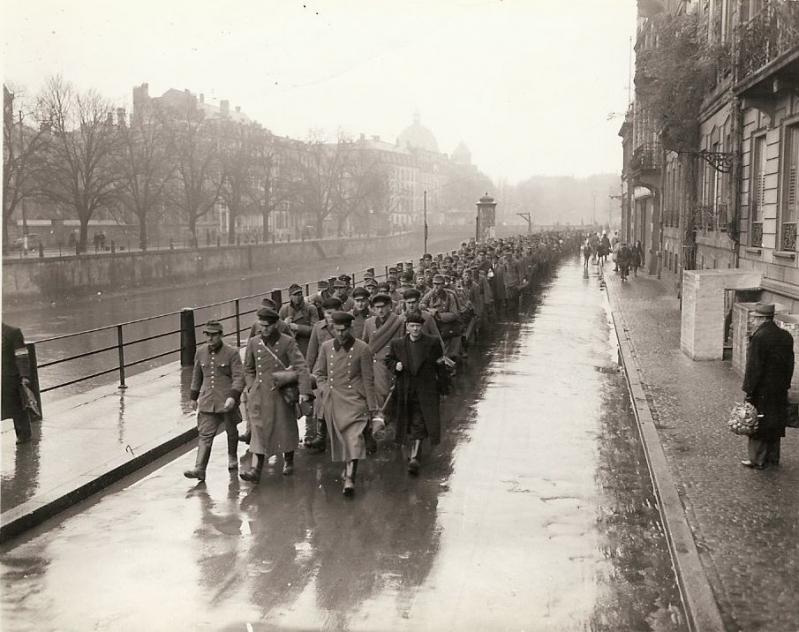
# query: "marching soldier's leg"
[[232, 443], [350, 469], [206, 428], [288, 463], [253, 475]]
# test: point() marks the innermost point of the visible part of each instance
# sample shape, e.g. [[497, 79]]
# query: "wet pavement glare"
[[536, 512]]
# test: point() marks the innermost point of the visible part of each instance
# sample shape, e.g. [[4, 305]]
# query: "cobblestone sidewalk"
[[745, 522]]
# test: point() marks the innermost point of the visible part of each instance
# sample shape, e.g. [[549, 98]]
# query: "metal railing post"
[[188, 337], [238, 324], [121, 351]]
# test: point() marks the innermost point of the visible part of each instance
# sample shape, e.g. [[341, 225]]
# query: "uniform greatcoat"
[[272, 420], [424, 381], [346, 381], [304, 318], [378, 339]]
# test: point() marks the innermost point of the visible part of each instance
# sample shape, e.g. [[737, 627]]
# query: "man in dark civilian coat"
[[769, 369], [16, 369], [416, 360]]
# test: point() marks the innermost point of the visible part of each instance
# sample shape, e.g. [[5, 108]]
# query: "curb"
[[700, 604], [42, 507]]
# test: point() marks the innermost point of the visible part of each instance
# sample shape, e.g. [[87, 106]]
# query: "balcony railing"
[[769, 34], [647, 157]]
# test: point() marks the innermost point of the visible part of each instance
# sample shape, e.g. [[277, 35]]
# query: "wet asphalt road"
[[535, 513]]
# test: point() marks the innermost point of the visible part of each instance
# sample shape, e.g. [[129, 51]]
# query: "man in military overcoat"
[[300, 316], [216, 385]]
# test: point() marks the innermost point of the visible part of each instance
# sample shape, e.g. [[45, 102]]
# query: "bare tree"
[[274, 176], [78, 165], [197, 158], [23, 145], [365, 190], [321, 168], [144, 164], [238, 163]]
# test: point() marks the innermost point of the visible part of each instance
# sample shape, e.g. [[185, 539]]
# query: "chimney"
[[202, 98], [224, 107]]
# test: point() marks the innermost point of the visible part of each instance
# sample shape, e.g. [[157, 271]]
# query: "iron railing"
[[771, 33], [238, 310]]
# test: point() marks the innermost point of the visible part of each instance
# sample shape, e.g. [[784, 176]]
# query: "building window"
[[757, 186], [790, 198]]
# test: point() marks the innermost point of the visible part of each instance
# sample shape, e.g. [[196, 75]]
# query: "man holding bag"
[[273, 362], [769, 369]]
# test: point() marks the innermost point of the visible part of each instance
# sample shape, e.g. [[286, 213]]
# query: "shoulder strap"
[[274, 355]]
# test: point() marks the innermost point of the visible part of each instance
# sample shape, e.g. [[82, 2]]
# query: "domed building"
[[462, 155], [417, 136]]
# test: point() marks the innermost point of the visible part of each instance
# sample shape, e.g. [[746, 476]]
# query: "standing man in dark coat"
[[216, 386], [416, 360], [16, 370], [769, 369]]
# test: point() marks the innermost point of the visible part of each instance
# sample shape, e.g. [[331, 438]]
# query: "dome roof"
[[462, 155], [418, 136]]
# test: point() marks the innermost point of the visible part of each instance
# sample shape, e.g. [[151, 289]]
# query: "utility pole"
[[593, 214], [527, 217], [425, 222]]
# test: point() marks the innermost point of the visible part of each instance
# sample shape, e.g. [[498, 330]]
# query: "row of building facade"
[[728, 199]]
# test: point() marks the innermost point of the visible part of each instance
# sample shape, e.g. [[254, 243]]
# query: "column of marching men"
[[356, 361]]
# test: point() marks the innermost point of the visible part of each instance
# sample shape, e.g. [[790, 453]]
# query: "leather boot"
[[319, 442], [203, 454], [349, 477], [232, 451], [253, 475], [310, 431], [416, 455], [288, 463]]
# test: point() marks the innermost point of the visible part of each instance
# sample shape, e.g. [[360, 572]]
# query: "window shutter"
[[793, 167]]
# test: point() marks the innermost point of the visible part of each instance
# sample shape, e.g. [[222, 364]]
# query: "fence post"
[[277, 297], [188, 337], [121, 351], [33, 365], [238, 324]]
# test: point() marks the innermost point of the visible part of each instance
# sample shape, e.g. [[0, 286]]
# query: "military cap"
[[383, 287], [360, 292], [407, 276], [381, 299], [345, 277], [339, 283], [321, 285], [392, 270], [267, 315], [411, 293], [409, 264], [370, 283], [294, 288], [427, 255], [414, 317], [438, 279], [342, 318], [331, 302], [370, 272], [212, 327], [765, 309], [268, 302]]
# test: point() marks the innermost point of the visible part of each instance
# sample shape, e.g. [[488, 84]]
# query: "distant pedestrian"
[[623, 258], [769, 369], [216, 386], [16, 373], [637, 257]]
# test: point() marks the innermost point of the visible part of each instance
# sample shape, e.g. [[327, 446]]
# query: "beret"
[[414, 317]]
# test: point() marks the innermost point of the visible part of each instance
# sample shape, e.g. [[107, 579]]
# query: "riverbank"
[[39, 283]]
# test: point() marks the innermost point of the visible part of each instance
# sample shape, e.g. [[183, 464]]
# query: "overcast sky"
[[527, 84]]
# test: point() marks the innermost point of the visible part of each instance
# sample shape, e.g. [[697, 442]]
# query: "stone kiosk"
[[702, 318]]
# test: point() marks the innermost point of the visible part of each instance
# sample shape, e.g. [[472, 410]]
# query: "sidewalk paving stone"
[[745, 523]]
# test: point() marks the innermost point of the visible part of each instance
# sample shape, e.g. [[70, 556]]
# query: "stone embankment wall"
[[54, 278]]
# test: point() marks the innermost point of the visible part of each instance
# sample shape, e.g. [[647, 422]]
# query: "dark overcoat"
[[769, 369], [427, 382], [15, 367]]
